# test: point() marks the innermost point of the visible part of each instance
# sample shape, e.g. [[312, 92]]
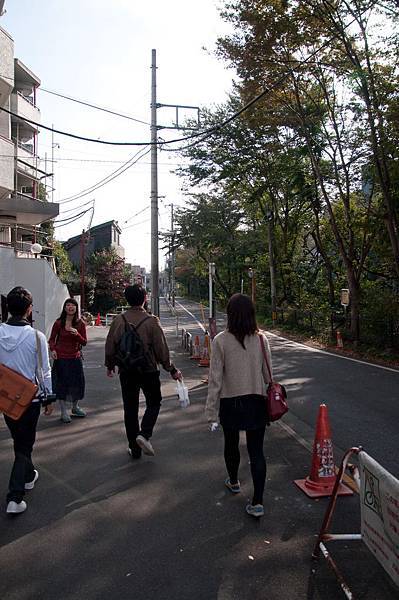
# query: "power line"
[[72, 218], [132, 161], [107, 110], [87, 139], [203, 134], [135, 224], [136, 214], [72, 209], [84, 102]]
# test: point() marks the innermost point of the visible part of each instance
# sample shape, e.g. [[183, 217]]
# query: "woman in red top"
[[68, 335]]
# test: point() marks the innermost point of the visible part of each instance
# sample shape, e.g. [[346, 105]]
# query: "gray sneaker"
[[31, 484], [14, 508], [255, 510], [145, 445]]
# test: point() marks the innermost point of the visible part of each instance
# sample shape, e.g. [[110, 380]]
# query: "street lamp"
[[36, 249], [251, 275]]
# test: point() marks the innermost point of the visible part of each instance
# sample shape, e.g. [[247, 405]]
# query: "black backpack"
[[131, 355]]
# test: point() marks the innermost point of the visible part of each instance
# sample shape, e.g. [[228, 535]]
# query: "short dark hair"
[[135, 294], [241, 318], [18, 301]]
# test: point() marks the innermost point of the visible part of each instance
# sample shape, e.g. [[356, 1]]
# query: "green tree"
[[109, 271]]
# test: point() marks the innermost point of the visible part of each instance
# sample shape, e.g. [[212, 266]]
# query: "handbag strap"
[[39, 359], [262, 344]]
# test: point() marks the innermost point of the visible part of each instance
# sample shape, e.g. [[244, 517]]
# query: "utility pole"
[[273, 294], [82, 269], [172, 255], [154, 176], [154, 189]]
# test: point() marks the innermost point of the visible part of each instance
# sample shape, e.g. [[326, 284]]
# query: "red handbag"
[[276, 395]]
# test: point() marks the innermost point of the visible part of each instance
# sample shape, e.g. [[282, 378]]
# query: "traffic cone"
[[196, 355], [340, 343], [322, 474], [98, 319], [205, 361]]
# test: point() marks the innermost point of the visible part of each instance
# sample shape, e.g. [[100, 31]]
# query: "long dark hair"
[[241, 319], [63, 314]]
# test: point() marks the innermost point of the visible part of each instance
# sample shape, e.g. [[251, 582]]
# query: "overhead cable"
[[203, 134], [107, 110], [132, 161]]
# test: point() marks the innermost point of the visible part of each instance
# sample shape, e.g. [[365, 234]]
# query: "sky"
[[100, 52]]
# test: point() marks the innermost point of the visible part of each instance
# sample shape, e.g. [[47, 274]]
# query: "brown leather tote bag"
[[16, 393]]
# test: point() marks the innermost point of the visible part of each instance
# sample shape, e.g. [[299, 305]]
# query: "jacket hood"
[[11, 337]]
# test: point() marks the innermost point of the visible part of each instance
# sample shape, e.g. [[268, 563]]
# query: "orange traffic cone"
[[322, 474], [98, 319], [205, 361], [340, 343], [196, 355]]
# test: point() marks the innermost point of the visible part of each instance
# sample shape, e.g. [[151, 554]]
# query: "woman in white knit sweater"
[[238, 379]]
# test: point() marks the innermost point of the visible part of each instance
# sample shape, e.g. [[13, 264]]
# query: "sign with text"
[[379, 505]]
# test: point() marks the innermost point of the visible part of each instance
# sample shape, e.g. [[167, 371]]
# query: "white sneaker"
[[13, 508], [255, 510], [31, 484], [145, 445]]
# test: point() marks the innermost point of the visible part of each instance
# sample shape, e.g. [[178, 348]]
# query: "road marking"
[[310, 349], [191, 315]]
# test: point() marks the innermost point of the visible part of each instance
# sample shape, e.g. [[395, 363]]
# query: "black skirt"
[[68, 378], [243, 413]]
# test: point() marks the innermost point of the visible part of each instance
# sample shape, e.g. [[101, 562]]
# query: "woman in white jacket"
[[238, 378], [18, 351]]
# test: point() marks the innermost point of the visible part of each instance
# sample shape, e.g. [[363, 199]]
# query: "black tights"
[[256, 457]]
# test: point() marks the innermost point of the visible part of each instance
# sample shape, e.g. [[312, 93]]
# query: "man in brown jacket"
[[157, 352]]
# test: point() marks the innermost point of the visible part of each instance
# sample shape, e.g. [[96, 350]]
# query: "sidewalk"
[[101, 526]]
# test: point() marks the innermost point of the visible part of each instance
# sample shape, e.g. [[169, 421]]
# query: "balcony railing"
[[24, 146], [22, 248], [29, 99]]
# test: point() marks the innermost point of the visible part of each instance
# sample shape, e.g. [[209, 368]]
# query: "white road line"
[[311, 349], [191, 315], [331, 354]]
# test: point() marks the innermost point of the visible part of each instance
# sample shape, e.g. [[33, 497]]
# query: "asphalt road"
[[362, 399], [100, 526]]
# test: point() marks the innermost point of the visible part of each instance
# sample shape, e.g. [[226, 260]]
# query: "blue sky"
[[100, 51]]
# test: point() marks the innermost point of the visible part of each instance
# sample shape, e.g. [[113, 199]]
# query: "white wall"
[[6, 166], [48, 292], [7, 275], [37, 276]]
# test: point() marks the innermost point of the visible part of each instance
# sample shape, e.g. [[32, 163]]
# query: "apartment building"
[[23, 207]]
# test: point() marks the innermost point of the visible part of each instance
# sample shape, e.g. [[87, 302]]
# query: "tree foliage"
[[316, 154]]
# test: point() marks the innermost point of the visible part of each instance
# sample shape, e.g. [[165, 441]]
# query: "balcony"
[[25, 210], [23, 106], [6, 166], [7, 66], [27, 163]]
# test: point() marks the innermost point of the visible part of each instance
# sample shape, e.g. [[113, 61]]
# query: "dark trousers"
[[23, 433], [131, 386], [257, 458]]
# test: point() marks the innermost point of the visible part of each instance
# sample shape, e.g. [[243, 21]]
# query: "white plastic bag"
[[182, 392]]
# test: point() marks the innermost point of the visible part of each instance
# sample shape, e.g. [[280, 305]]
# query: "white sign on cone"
[[379, 504]]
